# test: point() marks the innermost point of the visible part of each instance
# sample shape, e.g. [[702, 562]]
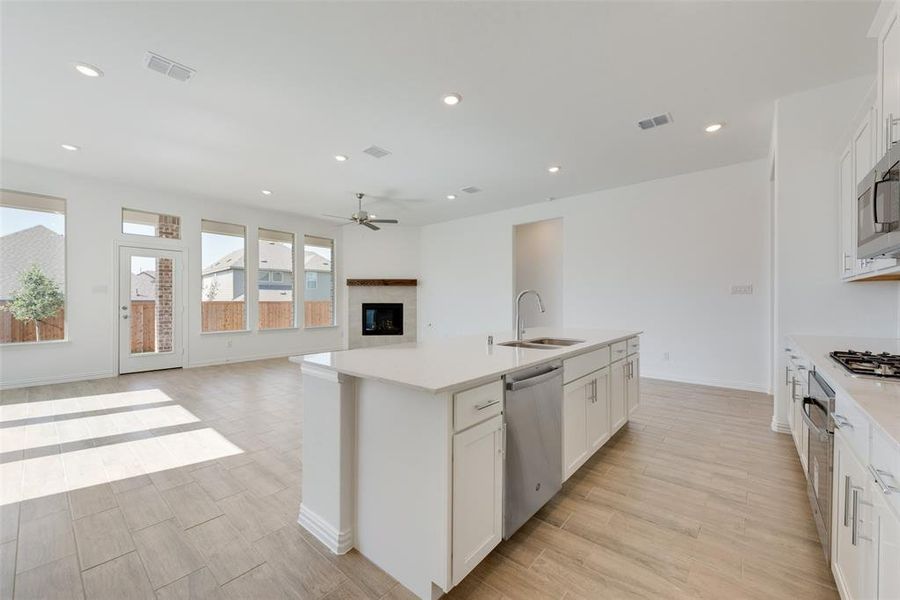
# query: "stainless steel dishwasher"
[[533, 415]]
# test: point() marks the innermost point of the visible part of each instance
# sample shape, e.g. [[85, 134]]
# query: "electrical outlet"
[[741, 289]]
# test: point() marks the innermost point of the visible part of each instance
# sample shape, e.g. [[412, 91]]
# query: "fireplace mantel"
[[382, 282]]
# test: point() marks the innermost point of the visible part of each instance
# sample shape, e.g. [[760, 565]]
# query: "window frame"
[[225, 225], [155, 235], [311, 240], [7, 200], [292, 279]]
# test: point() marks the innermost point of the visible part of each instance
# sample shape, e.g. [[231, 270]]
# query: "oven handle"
[[822, 433]]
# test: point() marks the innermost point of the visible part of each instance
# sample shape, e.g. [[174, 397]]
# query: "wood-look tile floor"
[[695, 498]]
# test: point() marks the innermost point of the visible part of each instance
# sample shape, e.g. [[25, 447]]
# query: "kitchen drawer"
[[885, 457], [619, 349], [476, 405], [856, 429], [634, 345], [579, 366]]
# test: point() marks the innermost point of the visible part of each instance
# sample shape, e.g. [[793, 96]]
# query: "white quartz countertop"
[[879, 399], [450, 363]]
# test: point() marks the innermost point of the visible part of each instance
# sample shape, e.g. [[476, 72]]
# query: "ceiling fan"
[[361, 217]]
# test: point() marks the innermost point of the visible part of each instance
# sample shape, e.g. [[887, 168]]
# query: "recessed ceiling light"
[[70, 147], [267, 192], [340, 157], [88, 70], [452, 99], [554, 169], [714, 127], [451, 196]]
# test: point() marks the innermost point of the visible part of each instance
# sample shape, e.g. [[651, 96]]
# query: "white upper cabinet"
[[848, 214], [889, 80]]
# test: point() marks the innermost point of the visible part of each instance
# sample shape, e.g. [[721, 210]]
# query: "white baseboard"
[[339, 542], [31, 381], [722, 383], [780, 426]]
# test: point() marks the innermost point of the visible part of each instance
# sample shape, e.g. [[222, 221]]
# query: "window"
[[318, 264], [222, 249], [263, 275], [276, 291], [32, 268], [138, 222]]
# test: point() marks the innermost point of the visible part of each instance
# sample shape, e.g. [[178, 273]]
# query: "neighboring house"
[[143, 285], [225, 279], [20, 250]]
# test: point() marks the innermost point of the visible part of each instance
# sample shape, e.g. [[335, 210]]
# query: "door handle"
[[124, 316]]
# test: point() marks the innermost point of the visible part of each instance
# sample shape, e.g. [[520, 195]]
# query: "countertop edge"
[[565, 353]]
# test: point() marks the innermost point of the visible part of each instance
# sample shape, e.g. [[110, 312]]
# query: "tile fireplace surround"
[[402, 291]]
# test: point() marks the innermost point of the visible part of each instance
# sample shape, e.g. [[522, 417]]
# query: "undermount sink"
[[543, 343], [554, 342]]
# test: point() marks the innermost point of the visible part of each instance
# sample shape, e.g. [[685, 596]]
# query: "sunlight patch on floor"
[[65, 406], [45, 475]]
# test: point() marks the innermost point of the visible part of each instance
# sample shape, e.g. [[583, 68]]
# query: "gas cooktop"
[[869, 364]]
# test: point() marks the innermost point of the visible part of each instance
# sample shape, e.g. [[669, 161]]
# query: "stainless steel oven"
[[817, 409], [878, 209]]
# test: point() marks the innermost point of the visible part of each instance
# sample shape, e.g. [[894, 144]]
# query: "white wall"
[[93, 223], [539, 266], [810, 297], [659, 256], [392, 252]]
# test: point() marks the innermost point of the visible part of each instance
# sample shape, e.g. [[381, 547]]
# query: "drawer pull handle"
[[484, 405], [847, 487], [841, 421], [886, 488]]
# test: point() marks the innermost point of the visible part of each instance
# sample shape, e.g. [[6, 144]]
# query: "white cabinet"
[[632, 382], [846, 552], [847, 193], [477, 494], [885, 559], [618, 401], [585, 419], [889, 80], [598, 411]]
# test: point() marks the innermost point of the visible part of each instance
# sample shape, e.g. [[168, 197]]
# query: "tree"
[[38, 298], [213, 289]]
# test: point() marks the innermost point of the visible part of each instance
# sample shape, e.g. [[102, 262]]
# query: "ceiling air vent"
[[163, 65], [471, 189], [657, 121], [376, 151]]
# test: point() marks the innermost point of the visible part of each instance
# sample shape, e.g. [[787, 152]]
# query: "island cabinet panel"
[[633, 382], [846, 552], [617, 394], [577, 395], [477, 495], [887, 536], [598, 429]]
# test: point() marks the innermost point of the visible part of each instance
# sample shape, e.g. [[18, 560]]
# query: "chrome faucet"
[[520, 323]]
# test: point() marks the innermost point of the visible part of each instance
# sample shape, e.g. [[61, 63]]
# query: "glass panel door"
[[149, 309]]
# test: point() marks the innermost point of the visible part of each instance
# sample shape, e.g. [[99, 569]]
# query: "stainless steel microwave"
[[878, 209]]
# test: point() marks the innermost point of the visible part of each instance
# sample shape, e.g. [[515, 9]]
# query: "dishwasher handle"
[[533, 381]]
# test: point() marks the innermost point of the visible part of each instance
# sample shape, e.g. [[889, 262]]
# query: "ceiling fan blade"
[[370, 226], [337, 217], [383, 221]]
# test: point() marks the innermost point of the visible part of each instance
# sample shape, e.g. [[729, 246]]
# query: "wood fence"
[[215, 316], [14, 331]]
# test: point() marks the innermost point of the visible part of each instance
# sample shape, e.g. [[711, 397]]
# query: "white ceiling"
[[283, 87]]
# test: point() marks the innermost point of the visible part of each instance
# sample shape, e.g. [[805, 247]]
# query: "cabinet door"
[[846, 550], [887, 556], [633, 385], [889, 50], [847, 200], [598, 411], [617, 394], [477, 494], [577, 395]]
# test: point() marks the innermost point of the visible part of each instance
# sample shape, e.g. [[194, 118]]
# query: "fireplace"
[[382, 318]]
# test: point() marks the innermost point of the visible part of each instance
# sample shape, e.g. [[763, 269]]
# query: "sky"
[[14, 219]]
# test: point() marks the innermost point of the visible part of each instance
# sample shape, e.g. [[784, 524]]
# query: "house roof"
[[36, 245], [272, 256], [143, 285]]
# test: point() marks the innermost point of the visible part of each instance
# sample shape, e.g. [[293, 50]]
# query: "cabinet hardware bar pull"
[[847, 487], [854, 529], [841, 421], [886, 488], [484, 405], [787, 375]]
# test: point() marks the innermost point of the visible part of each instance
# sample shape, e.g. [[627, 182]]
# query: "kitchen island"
[[403, 445]]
